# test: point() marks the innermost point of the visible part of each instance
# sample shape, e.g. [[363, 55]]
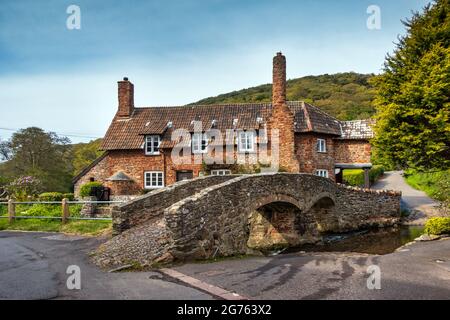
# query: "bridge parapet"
[[152, 204]]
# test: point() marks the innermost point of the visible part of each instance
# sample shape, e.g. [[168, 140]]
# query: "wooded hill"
[[347, 96]]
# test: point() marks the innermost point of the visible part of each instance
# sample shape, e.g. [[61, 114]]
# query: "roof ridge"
[[226, 104], [210, 105]]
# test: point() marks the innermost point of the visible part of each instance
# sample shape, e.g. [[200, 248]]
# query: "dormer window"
[[199, 143], [152, 145]]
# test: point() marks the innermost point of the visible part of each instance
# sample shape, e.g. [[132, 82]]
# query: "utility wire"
[[58, 133]]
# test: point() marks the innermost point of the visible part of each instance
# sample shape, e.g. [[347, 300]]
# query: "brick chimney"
[[282, 119], [279, 80], [126, 98]]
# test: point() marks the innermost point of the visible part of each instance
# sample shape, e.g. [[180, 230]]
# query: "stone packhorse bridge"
[[229, 215]]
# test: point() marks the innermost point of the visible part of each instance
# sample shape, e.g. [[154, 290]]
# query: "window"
[[321, 145], [199, 143], [152, 145], [322, 173], [220, 172], [153, 179], [246, 141]]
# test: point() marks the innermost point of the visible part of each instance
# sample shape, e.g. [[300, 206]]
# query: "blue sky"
[[175, 52]]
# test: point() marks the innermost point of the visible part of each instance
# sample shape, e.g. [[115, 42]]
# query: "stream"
[[374, 241]]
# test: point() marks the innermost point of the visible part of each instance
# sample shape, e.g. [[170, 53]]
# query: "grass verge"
[[84, 227], [434, 184]]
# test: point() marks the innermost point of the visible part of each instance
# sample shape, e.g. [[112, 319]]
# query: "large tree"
[[43, 155], [413, 92], [84, 154]]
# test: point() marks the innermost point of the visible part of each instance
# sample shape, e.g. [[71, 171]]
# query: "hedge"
[[355, 177], [51, 196], [85, 189], [69, 196], [438, 225]]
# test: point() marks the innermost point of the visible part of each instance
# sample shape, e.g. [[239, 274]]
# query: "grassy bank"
[[83, 227], [434, 184]]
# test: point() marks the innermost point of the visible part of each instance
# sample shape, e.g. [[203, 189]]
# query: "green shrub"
[[355, 177], [51, 196], [44, 210], [438, 225], [69, 196], [85, 189]]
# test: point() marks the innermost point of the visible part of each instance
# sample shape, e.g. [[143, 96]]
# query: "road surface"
[[412, 199], [33, 266]]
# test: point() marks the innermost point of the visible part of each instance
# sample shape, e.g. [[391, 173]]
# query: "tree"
[[84, 154], [44, 155], [412, 95]]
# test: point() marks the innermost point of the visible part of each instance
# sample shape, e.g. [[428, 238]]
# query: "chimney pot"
[[125, 78]]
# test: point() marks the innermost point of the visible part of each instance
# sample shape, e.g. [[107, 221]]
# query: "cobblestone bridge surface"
[[223, 216]]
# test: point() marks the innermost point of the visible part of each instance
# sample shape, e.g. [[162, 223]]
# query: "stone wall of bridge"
[[238, 215]]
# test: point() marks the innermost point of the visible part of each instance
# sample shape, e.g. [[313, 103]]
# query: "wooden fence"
[[65, 212]]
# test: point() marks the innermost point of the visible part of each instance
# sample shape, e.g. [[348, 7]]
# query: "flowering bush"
[[23, 187]]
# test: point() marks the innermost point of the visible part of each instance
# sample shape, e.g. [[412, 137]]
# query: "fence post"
[[11, 210], [65, 211]]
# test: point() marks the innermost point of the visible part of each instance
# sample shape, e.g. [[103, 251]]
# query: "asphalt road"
[[33, 266], [419, 271], [411, 198]]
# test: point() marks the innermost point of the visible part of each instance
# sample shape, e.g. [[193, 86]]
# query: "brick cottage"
[[140, 142]]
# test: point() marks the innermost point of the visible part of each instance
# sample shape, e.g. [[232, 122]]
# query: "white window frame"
[[321, 145], [221, 172], [151, 139], [199, 143], [246, 141], [322, 173], [153, 178]]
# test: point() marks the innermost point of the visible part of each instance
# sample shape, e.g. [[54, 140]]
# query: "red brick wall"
[[310, 160], [352, 151], [131, 162]]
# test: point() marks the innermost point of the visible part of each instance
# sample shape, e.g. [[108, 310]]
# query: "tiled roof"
[[127, 133], [357, 129]]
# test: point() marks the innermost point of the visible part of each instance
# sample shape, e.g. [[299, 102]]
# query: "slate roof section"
[[357, 129], [127, 133]]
